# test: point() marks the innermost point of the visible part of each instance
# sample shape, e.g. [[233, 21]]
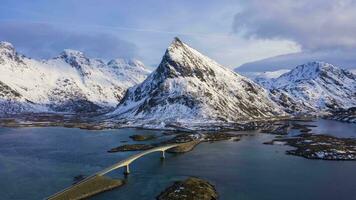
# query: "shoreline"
[[87, 123]]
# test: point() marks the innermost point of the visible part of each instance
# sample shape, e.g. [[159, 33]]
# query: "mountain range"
[[186, 88], [70, 82]]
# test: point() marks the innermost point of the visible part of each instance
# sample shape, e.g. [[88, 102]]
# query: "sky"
[[232, 32]]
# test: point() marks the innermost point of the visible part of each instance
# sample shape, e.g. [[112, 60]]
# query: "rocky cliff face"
[[190, 87]]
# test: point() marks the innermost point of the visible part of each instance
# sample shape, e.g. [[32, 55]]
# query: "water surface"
[[36, 162]]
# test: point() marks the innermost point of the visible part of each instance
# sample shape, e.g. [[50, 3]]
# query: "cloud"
[[315, 25], [41, 40], [342, 58]]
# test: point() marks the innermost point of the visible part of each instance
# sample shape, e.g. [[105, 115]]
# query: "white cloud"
[[316, 24]]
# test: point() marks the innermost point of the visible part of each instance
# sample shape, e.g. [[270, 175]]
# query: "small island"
[[324, 147], [190, 189], [283, 128], [131, 147], [190, 140], [137, 137]]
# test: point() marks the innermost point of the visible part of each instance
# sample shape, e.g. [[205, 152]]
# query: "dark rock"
[[344, 115]]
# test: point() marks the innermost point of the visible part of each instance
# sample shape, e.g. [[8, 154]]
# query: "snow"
[[320, 154], [279, 143], [69, 76], [314, 87], [189, 87], [272, 74]]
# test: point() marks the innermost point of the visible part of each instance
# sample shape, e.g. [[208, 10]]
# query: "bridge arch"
[[126, 162]]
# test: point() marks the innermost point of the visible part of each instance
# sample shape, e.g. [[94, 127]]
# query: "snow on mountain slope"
[[70, 82], [13, 102], [314, 87], [129, 72], [190, 87], [266, 78]]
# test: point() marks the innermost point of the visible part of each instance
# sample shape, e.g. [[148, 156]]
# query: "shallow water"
[[36, 162]]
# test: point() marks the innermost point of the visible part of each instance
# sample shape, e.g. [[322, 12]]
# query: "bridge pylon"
[[163, 156], [127, 170]]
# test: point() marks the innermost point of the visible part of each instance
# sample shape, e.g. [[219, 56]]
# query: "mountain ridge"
[[69, 82], [313, 87]]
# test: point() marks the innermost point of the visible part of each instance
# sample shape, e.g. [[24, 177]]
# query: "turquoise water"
[[36, 162]]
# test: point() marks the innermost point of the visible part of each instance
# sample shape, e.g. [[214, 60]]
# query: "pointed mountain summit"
[[190, 87], [314, 87], [7, 48], [9, 55]]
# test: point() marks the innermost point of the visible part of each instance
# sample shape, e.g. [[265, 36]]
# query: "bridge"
[[126, 163], [90, 186]]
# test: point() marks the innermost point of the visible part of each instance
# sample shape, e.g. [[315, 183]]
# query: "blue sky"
[[232, 32]]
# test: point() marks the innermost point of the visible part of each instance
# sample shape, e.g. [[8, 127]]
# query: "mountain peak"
[[7, 45], [74, 58], [72, 53], [181, 60], [312, 70], [176, 41], [315, 66], [188, 86], [7, 49], [175, 47], [314, 86], [123, 62]]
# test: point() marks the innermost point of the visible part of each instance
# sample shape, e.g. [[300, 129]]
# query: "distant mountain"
[[188, 87], [70, 82], [313, 87], [289, 61]]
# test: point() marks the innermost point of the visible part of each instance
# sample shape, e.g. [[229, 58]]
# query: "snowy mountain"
[[344, 58], [190, 87], [314, 87], [70, 82]]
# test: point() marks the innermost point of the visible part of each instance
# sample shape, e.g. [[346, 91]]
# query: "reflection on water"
[[36, 162]]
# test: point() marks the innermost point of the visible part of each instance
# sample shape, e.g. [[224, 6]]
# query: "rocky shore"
[[283, 127], [184, 147], [322, 147], [189, 189], [344, 115]]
